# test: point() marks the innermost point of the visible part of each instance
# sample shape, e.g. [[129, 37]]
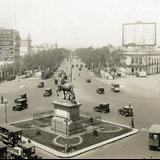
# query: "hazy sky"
[[77, 23]]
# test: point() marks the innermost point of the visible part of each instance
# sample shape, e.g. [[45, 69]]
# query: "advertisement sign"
[[139, 34], [6, 44]]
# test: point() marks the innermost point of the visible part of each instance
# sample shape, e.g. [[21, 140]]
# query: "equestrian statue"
[[66, 88]]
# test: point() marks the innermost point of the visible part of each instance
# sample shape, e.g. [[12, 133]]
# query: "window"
[[140, 61], [136, 61], [132, 61]]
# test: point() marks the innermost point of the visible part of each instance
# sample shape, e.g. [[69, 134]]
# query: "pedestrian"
[[132, 122], [2, 99]]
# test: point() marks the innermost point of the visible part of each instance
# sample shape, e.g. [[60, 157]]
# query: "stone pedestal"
[[66, 118]]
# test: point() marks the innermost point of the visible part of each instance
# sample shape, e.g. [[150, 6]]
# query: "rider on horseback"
[[66, 87]]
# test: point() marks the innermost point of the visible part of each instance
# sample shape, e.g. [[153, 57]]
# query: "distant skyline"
[[77, 23]]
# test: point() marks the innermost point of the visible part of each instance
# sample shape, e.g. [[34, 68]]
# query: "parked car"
[[103, 107], [11, 77], [100, 90], [141, 74], [20, 104], [115, 87], [23, 96], [126, 111], [23, 151], [48, 92], [40, 85], [88, 80]]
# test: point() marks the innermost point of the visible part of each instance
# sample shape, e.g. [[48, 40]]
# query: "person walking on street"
[[132, 122], [2, 99]]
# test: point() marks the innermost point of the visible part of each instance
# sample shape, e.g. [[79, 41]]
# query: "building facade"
[[141, 59], [6, 69], [9, 45], [9, 52], [26, 46]]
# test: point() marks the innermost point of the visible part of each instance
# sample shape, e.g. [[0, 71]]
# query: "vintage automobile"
[[115, 87], [40, 85], [11, 77], [154, 137], [100, 90], [141, 74], [20, 104], [103, 107], [48, 92], [88, 80], [126, 111], [55, 81], [3, 151], [23, 151], [10, 134], [23, 96]]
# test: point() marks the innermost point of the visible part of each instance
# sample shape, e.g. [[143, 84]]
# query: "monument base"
[[66, 118], [60, 125]]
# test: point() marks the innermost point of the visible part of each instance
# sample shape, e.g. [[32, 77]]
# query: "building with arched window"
[[141, 59]]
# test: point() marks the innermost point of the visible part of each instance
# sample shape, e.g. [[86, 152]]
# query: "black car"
[[103, 107], [48, 92], [20, 104], [100, 90], [126, 111], [23, 96], [88, 80], [11, 77], [40, 85]]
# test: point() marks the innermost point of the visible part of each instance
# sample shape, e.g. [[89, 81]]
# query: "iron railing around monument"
[[43, 118]]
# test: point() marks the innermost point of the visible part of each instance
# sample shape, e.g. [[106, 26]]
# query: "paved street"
[[144, 94]]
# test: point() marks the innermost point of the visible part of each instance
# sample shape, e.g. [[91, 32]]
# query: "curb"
[[81, 151], [76, 153]]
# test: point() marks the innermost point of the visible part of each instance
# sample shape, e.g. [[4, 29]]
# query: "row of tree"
[[43, 59], [105, 57], [101, 57]]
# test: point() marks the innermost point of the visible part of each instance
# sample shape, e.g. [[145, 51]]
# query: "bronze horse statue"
[[67, 89]]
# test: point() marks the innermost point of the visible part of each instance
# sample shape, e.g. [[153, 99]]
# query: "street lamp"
[[5, 104], [67, 136]]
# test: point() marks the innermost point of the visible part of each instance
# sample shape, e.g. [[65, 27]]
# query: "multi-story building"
[[26, 46], [9, 45], [139, 48], [141, 59], [44, 47], [9, 52]]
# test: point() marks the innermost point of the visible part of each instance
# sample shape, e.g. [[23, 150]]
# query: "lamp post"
[[66, 148], [5, 105]]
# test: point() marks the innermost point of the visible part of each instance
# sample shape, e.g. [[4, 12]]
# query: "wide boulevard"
[[144, 93]]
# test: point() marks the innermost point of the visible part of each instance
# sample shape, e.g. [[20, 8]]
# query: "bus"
[[10, 134]]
